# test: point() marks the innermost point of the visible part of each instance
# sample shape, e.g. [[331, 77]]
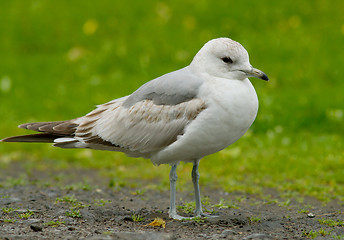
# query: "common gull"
[[181, 116]]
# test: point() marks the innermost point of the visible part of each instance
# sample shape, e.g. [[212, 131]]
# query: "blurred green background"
[[60, 58]]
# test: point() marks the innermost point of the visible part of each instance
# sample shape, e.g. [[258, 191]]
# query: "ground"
[[71, 209]]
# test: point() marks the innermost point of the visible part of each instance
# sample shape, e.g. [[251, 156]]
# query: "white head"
[[225, 58]]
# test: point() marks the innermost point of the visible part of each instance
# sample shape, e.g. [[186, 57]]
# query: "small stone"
[[87, 215], [123, 218], [310, 215], [227, 233], [36, 228]]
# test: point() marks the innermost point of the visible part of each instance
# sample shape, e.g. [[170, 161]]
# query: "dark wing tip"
[[9, 139], [39, 137]]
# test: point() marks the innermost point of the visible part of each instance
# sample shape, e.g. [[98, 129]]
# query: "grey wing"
[[139, 130], [170, 89], [146, 121]]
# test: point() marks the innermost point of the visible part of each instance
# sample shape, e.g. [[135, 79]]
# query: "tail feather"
[[58, 127], [50, 131], [39, 137]]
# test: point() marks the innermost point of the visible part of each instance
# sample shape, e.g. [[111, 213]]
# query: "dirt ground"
[[34, 210]]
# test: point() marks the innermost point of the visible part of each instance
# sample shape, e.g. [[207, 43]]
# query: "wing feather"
[[58, 127], [144, 127]]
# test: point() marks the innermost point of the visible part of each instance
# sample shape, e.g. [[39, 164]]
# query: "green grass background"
[[60, 58]]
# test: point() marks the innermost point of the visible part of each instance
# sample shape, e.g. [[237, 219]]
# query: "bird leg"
[[195, 178], [173, 179]]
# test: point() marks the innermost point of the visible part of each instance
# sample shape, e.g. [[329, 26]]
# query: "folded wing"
[[143, 128]]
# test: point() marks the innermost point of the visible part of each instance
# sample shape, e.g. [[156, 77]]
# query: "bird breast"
[[231, 107]]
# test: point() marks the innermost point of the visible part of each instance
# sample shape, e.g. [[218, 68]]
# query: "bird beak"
[[254, 72]]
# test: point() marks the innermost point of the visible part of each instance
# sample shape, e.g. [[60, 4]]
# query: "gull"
[[181, 116]]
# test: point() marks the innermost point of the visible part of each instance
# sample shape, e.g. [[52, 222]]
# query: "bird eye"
[[227, 60]]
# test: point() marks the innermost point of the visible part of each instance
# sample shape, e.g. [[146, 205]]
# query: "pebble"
[[87, 215], [36, 228], [227, 233], [123, 218]]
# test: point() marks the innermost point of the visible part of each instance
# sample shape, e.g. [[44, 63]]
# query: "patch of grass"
[[101, 202], [285, 203], [198, 219], [7, 220], [54, 223], [207, 210], [332, 223], [206, 205], [80, 205], [138, 192], [74, 210], [7, 210], [78, 186], [254, 219], [323, 232], [195, 219], [303, 210], [26, 215], [137, 218], [188, 207], [311, 234], [337, 236], [13, 182], [74, 213], [73, 201], [206, 201], [224, 204], [117, 184], [67, 199]]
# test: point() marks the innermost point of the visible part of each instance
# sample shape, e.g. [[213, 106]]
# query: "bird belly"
[[231, 109]]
